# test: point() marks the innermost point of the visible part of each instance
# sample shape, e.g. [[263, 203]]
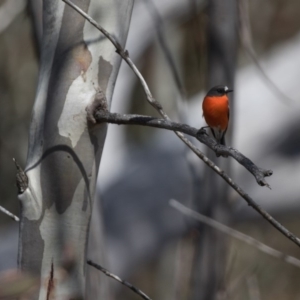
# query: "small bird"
[[216, 111]]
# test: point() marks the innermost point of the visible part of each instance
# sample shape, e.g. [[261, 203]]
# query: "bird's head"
[[219, 90]]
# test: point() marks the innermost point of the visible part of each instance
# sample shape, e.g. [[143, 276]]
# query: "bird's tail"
[[222, 140], [220, 137]]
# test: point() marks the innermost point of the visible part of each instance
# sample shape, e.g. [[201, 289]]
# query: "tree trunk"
[[211, 247], [77, 63]]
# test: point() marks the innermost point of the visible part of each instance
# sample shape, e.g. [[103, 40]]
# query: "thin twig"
[[9, 10], [234, 233], [129, 285], [238, 281], [253, 287], [200, 154], [246, 40], [158, 23], [123, 53], [259, 174], [5, 211]]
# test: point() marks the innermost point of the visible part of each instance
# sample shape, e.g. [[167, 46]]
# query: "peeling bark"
[[64, 148]]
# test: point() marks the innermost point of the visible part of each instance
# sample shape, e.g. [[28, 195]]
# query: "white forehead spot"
[[226, 88]]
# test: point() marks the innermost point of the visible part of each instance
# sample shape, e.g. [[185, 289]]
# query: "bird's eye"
[[221, 91]]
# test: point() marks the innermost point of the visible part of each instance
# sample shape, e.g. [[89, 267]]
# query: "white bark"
[[64, 149]]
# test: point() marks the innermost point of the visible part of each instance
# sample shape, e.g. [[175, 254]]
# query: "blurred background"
[[149, 243]]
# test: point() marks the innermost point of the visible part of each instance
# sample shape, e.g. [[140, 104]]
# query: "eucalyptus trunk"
[[77, 64]]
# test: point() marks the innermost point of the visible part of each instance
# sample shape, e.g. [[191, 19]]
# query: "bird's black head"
[[219, 90]]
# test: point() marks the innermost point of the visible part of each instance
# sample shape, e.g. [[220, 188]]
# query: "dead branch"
[[9, 11], [158, 23], [201, 135], [22, 183], [246, 41], [117, 278], [253, 287], [234, 233], [8, 213]]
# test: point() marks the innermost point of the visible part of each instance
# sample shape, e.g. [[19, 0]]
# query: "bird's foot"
[[219, 150], [202, 130]]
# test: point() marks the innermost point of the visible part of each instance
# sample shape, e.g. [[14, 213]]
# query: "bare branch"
[[158, 23], [5, 211], [253, 288], [9, 10], [246, 40], [117, 278], [114, 118], [20, 185], [123, 53], [236, 234], [200, 154]]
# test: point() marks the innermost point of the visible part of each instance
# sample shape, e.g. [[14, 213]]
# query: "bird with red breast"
[[216, 111]]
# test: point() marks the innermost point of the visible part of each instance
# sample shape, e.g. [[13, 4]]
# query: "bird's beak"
[[229, 91]]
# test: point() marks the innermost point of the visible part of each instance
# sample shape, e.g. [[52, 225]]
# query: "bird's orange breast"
[[216, 111]]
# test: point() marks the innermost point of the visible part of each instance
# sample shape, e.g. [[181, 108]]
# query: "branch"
[[234, 233], [205, 159], [123, 53], [158, 24], [9, 10], [5, 211], [20, 182], [246, 40], [129, 285], [259, 174], [253, 288]]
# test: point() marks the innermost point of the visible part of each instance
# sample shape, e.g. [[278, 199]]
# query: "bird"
[[215, 108]]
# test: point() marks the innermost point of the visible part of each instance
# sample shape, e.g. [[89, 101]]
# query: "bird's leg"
[[202, 130]]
